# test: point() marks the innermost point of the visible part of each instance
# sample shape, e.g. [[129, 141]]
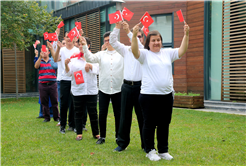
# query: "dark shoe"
[[70, 128], [56, 120], [62, 130], [118, 149], [100, 141], [40, 117], [45, 120], [79, 138]]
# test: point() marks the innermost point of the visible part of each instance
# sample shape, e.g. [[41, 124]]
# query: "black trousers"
[[46, 92], [157, 112], [65, 102], [104, 100], [80, 104], [129, 99]]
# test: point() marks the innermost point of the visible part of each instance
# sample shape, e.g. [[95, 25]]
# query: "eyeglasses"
[[139, 37], [63, 43], [106, 41]]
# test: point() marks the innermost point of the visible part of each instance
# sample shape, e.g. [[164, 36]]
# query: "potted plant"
[[190, 100]]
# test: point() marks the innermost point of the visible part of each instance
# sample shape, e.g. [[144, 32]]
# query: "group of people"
[[138, 76]]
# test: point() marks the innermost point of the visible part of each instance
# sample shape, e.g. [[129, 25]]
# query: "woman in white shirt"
[[84, 91], [156, 96]]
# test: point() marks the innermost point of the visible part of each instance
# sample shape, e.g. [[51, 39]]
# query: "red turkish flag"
[[146, 20], [73, 33], [78, 25], [36, 43], [46, 36], [53, 37], [145, 30], [44, 48], [79, 79], [127, 14], [115, 17], [180, 15], [61, 24]]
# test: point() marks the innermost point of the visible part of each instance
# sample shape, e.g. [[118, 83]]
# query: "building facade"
[[213, 66]]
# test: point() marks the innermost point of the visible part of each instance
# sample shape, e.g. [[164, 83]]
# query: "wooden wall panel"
[[9, 79], [195, 53]]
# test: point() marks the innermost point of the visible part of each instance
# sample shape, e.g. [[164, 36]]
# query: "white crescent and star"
[[144, 18], [117, 17], [123, 12], [46, 35], [78, 74], [73, 33]]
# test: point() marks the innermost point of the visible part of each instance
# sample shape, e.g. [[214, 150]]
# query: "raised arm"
[[113, 40], [90, 57], [55, 54], [37, 63], [129, 34], [134, 45], [185, 41]]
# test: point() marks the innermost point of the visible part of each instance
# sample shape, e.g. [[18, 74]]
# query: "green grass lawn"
[[196, 138]]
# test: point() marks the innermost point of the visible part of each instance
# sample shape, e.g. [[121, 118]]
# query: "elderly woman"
[[156, 96]]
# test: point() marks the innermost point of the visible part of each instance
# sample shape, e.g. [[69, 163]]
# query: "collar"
[[111, 52]]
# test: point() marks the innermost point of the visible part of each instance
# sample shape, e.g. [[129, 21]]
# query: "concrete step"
[[222, 103], [225, 107]]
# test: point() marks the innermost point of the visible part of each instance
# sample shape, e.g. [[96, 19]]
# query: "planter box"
[[189, 101]]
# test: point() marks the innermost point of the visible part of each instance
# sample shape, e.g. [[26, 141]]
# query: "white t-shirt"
[[157, 70], [59, 71], [65, 53], [89, 87]]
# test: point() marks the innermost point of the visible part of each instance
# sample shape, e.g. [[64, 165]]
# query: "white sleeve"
[[95, 69], [173, 53], [142, 57], [113, 40], [90, 57], [70, 72], [140, 46]]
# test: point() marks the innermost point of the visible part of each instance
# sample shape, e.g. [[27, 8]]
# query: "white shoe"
[[166, 156], [152, 155]]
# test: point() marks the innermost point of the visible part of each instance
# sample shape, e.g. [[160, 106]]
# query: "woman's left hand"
[[186, 29], [88, 67]]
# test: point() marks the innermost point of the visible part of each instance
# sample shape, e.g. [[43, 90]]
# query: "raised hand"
[[36, 53], [118, 25], [81, 32], [59, 44], [103, 47], [126, 26], [58, 31], [49, 45], [186, 29], [82, 40]]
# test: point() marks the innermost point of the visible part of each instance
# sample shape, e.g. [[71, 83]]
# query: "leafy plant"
[[21, 20], [185, 94]]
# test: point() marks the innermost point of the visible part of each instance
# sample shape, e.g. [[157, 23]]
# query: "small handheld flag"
[[146, 20], [180, 15], [115, 17], [61, 24]]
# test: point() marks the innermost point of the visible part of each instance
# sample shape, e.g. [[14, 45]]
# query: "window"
[[164, 25]]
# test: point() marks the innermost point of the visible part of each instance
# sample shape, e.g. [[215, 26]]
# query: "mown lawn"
[[196, 138]]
